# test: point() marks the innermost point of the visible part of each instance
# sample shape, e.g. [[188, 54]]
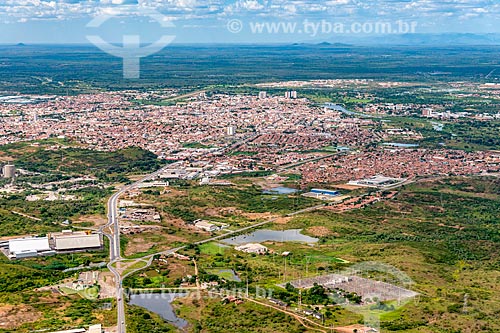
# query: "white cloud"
[[185, 9]]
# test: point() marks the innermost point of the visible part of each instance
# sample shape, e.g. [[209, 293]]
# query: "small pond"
[[280, 190], [291, 235], [161, 305]]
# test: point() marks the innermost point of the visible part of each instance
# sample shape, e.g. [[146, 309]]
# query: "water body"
[[280, 190], [340, 108], [292, 235], [401, 145], [161, 305]]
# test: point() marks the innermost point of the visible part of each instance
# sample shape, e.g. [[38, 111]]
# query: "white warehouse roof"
[[76, 330], [38, 244], [75, 242], [95, 328]]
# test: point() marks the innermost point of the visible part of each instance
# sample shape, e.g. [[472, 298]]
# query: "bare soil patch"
[[96, 220], [346, 187], [351, 328], [143, 242], [138, 244], [283, 220], [319, 231], [259, 216], [12, 316]]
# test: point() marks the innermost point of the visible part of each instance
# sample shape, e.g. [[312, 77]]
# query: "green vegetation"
[[221, 274], [56, 160], [195, 145], [55, 312], [19, 279], [212, 248], [247, 198], [140, 320], [442, 233], [91, 202], [107, 166], [212, 315], [198, 67], [22, 275], [464, 134]]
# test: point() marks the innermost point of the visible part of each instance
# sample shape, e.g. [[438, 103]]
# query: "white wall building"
[[252, 248], [76, 242], [231, 130], [207, 226], [28, 247], [9, 171]]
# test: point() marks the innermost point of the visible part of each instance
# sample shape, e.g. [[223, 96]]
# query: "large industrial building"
[[63, 242], [68, 241], [324, 192], [378, 182], [28, 247]]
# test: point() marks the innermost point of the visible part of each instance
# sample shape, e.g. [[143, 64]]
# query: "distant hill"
[[440, 39], [418, 39], [334, 44], [323, 44]]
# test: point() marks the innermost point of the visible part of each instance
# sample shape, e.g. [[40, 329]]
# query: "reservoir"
[[161, 305], [292, 235], [280, 190]]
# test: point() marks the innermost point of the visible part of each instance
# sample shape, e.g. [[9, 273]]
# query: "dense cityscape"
[[245, 166], [280, 143]]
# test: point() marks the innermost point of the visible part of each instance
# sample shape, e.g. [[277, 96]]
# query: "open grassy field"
[[189, 202], [211, 315], [241, 205], [443, 234]]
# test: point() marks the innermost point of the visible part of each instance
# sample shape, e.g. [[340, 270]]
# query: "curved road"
[[114, 244]]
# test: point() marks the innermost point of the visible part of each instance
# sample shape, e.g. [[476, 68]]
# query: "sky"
[[238, 21]]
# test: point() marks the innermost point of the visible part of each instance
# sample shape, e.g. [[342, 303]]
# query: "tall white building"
[[231, 130], [9, 171], [262, 95]]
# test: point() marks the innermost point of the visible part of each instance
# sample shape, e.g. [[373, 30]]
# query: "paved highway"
[[112, 231]]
